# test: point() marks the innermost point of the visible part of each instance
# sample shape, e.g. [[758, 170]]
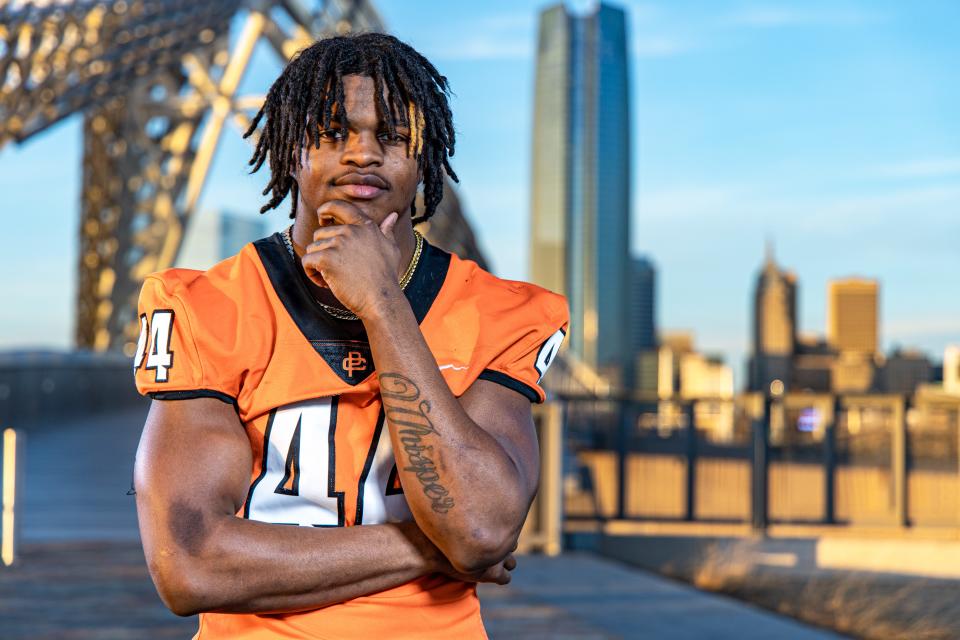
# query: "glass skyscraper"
[[581, 179]]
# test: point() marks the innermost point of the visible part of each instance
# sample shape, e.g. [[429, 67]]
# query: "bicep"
[[193, 465], [507, 416]]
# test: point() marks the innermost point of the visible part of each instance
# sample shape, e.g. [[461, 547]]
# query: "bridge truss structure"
[[156, 82]]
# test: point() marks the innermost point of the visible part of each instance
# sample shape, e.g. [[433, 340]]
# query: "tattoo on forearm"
[[404, 408]]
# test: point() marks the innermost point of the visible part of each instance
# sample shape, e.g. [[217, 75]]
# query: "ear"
[[303, 161]]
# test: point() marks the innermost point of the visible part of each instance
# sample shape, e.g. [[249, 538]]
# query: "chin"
[[371, 209]]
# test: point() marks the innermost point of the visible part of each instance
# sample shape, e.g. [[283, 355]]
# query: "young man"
[[344, 372]]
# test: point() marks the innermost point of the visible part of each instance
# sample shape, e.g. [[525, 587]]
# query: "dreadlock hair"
[[301, 101]]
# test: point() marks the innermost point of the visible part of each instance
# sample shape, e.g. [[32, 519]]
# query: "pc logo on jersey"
[[353, 362]]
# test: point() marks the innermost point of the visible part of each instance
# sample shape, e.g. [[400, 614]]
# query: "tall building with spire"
[[774, 325], [580, 190]]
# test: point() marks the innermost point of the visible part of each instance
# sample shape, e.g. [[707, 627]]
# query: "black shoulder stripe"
[[511, 383], [332, 339], [189, 394]]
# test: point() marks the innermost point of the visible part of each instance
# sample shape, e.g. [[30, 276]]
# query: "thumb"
[[388, 224]]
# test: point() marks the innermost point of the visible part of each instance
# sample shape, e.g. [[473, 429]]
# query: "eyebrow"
[[396, 125]]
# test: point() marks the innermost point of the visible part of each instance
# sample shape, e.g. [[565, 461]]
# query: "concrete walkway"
[[83, 574], [101, 591], [586, 596]]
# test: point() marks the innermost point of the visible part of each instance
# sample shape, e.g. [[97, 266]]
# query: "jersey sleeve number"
[[160, 357], [548, 351]]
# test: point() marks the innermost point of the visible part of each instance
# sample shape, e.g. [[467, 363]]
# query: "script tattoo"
[[406, 410]]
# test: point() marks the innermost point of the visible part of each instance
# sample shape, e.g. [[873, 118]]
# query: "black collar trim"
[[343, 344]]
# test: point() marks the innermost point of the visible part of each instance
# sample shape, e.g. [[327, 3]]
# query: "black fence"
[[803, 458]]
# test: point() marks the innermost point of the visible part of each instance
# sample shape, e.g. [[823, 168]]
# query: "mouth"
[[361, 191], [363, 186]]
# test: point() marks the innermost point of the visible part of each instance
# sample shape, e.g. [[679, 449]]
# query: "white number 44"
[[160, 358]]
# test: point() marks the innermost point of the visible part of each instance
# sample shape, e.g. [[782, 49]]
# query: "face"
[[363, 164]]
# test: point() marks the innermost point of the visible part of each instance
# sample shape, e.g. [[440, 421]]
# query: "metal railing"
[[804, 458], [542, 531]]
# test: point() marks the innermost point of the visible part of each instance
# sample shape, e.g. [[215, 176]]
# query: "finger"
[[327, 220], [510, 563], [322, 244], [329, 232], [503, 577], [314, 265], [315, 275], [342, 212], [388, 225]]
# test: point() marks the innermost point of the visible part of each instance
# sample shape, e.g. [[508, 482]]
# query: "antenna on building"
[[768, 250]]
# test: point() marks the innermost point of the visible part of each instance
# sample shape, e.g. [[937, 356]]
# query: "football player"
[[340, 443]]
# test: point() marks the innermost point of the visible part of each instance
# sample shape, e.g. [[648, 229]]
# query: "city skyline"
[[830, 128]]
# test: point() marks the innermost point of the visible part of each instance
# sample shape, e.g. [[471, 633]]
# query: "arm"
[[191, 476], [469, 467]]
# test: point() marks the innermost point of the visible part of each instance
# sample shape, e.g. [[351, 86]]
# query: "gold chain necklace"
[[342, 314]]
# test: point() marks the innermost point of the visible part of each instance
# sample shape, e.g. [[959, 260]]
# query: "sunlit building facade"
[[852, 315], [581, 179], [774, 325]]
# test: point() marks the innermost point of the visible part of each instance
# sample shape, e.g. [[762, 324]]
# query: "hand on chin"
[[353, 255]]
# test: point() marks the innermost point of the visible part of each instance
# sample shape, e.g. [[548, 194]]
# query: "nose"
[[362, 149]]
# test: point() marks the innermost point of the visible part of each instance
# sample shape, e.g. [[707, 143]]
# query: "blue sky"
[[831, 127]]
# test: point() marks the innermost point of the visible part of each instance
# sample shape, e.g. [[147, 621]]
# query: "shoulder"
[[508, 330], [217, 290], [191, 335], [502, 298]]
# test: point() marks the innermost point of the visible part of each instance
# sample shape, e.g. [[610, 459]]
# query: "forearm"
[[463, 488], [244, 566]]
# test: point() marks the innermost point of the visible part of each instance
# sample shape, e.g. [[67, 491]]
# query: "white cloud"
[[685, 203], [775, 16], [504, 36], [481, 47], [923, 326], [662, 46], [666, 35], [524, 21], [514, 36], [802, 209], [923, 168], [936, 204]]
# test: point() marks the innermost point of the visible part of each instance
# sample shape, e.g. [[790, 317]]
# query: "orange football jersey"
[[249, 332]]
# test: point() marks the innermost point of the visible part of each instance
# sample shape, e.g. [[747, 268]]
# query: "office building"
[[852, 315], [580, 191], [774, 325], [214, 235], [951, 369], [642, 323], [904, 370]]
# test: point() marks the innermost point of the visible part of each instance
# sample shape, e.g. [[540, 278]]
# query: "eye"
[[396, 138], [333, 134]]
